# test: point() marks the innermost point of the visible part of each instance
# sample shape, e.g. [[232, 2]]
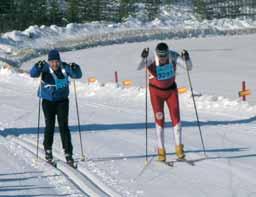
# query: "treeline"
[[20, 14]]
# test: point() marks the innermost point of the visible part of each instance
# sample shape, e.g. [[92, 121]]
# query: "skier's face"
[[54, 64], [163, 59]]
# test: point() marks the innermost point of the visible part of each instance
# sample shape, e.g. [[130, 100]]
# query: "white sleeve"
[[145, 61], [185, 64]]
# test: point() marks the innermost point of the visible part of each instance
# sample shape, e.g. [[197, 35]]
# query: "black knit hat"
[[162, 49], [53, 55]]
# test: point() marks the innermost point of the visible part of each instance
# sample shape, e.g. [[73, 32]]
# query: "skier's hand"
[[73, 66], [185, 55], [40, 64], [145, 53]]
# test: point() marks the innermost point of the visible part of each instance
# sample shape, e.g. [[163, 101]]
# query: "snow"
[[21, 175], [113, 117], [112, 121], [221, 58]]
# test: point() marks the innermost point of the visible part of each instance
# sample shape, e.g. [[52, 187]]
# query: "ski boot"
[[161, 154], [180, 152], [70, 161], [49, 157]]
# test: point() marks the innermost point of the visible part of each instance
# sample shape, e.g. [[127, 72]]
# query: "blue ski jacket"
[[55, 84]]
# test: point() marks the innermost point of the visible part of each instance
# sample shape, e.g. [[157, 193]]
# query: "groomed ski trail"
[[80, 177]]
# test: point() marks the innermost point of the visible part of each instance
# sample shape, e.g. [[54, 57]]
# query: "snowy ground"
[[220, 63], [174, 22], [112, 122]]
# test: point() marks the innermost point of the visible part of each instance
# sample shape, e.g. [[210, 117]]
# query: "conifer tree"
[[55, 14], [73, 11]]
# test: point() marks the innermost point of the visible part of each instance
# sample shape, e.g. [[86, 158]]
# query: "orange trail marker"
[[92, 80], [127, 83], [245, 92]]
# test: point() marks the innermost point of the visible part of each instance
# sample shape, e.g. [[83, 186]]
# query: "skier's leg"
[[49, 110], [173, 105], [158, 109], [62, 115]]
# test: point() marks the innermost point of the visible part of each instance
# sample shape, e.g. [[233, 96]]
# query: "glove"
[[73, 66], [185, 55], [145, 53], [40, 64]]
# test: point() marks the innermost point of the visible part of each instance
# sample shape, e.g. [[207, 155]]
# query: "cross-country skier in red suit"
[[162, 64]]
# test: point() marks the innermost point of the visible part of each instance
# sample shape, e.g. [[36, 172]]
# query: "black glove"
[[40, 64], [73, 66], [145, 53], [185, 55]]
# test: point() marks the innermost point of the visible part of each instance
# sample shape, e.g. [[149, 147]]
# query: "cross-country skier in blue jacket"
[[54, 91]]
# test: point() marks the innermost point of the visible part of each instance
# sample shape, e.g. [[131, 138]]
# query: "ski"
[[72, 165], [52, 163], [190, 162], [171, 163], [167, 163]]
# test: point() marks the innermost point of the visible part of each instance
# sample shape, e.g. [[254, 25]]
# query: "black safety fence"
[[212, 9]]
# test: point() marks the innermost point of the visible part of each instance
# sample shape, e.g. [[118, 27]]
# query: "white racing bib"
[[165, 72]]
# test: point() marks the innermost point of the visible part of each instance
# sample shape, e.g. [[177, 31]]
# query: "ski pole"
[[39, 117], [78, 121], [146, 107], [197, 117]]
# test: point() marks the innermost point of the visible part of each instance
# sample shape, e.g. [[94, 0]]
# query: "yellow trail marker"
[[182, 90]]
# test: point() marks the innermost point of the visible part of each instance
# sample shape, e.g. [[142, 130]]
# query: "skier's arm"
[[38, 68], [146, 59], [184, 60], [73, 70]]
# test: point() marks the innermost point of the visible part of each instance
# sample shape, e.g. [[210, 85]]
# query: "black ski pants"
[[51, 110]]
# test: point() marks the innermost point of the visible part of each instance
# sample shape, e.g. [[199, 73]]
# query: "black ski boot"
[[49, 157], [70, 161]]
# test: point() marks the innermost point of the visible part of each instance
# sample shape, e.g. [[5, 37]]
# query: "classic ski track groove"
[[82, 178]]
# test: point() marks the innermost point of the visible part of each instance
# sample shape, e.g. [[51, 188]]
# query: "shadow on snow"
[[126, 126]]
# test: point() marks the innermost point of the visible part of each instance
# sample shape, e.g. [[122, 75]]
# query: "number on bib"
[[165, 72]]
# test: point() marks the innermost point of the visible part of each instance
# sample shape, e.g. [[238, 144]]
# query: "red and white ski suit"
[[162, 91]]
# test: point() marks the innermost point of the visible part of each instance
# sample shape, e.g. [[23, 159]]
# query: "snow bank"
[[1, 126], [135, 96], [132, 96], [174, 22]]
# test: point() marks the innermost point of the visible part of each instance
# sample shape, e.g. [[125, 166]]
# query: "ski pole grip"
[[185, 55], [145, 53]]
